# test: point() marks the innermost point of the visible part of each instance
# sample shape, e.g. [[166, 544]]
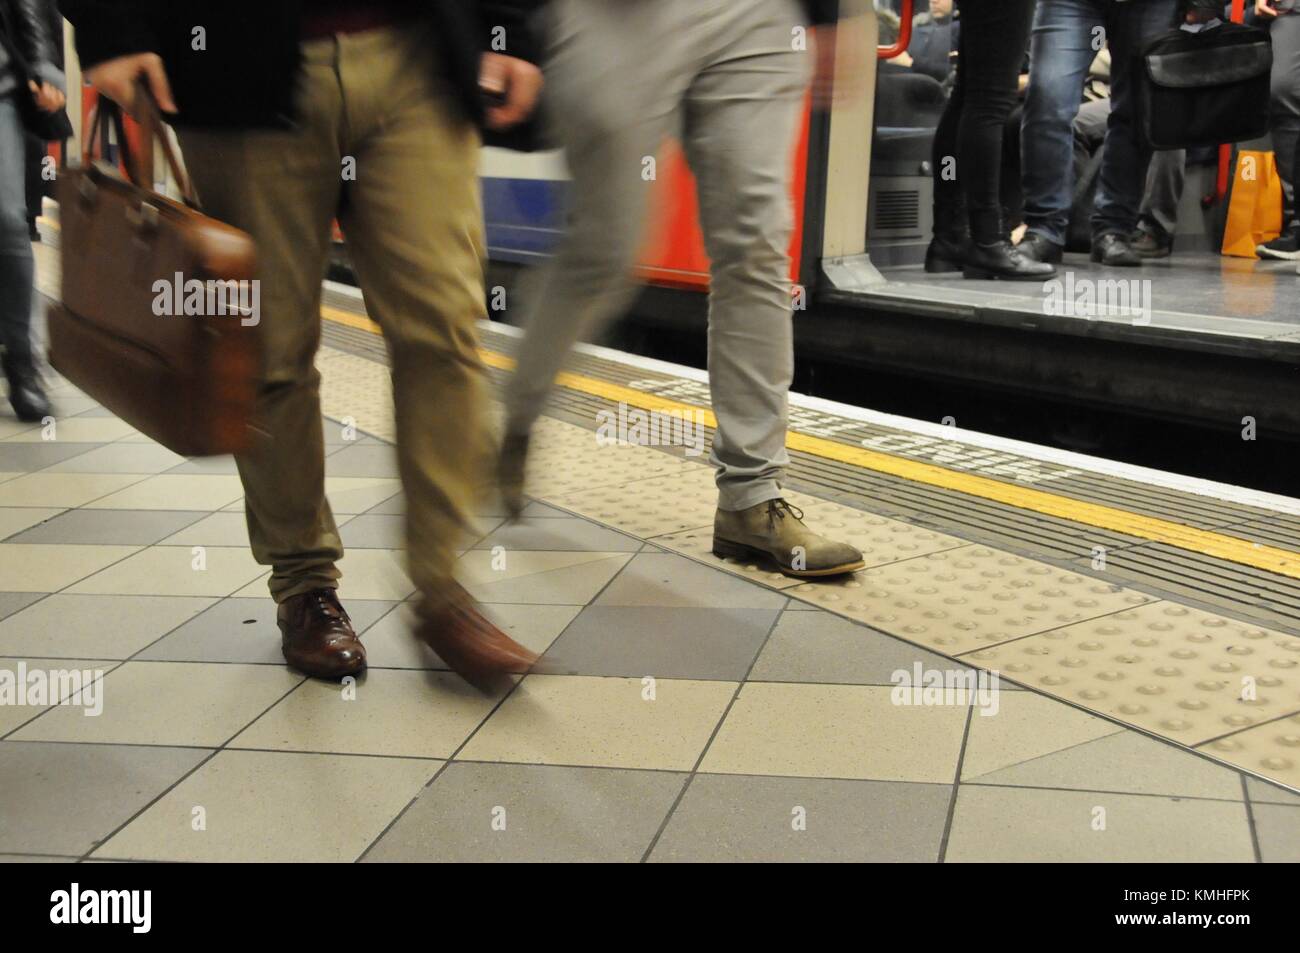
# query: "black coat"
[[245, 75], [26, 36]]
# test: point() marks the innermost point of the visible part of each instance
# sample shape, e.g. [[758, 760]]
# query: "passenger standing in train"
[[24, 42], [293, 114], [731, 76], [969, 230], [1284, 33], [1067, 35]]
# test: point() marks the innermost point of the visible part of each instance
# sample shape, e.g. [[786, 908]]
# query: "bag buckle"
[[145, 218]]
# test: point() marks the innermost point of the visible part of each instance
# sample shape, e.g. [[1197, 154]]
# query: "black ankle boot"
[[951, 236], [1002, 260], [26, 395]]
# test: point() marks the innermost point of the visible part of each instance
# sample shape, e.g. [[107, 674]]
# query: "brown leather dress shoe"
[[472, 646], [317, 636]]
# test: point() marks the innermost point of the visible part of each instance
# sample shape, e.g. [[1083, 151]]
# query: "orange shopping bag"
[[1255, 209]]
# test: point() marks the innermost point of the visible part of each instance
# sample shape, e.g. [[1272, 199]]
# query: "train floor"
[[1143, 631]]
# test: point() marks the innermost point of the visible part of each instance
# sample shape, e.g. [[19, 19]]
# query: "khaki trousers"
[[413, 223]]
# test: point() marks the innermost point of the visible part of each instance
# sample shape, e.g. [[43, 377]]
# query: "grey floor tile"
[[396, 506], [224, 464], [1261, 792], [109, 527], [26, 457], [373, 531], [124, 457], [559, 535], [66, 798], [35, 859], [1125, 761], [11, 602], [535, 510], [16, 519], [1011, 825], [573, 581], [68, 625], [821, 647], [336, 435], [243, 630], [215, 529], [360, 460], [274, 806], [739, 818], [1278, 830], [662, 579], [636, 641], [393, 506], [478, 812]]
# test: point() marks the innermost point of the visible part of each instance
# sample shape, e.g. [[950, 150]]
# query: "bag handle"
[[109, 112]]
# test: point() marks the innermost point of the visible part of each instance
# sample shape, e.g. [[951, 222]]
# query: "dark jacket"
[[933, 43], [245, 75], [24, 24]]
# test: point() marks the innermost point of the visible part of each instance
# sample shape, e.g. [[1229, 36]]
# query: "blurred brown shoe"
[[317, 636], [472, 647]]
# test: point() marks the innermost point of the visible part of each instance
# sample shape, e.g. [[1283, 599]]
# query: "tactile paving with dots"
[[968, 598], [564, 459], [354, 388], [1179, 672], [880, 539], [1272, 749], [651, 507]]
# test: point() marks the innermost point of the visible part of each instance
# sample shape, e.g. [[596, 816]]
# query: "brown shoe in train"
[[472, 646], [775, 529], [316, 635]]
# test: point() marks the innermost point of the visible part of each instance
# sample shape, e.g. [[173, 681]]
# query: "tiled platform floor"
[[699, 716]]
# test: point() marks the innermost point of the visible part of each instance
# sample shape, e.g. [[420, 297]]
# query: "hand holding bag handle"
[[107, 112]]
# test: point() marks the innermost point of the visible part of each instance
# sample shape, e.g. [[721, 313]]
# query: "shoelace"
[[328, 603], [777, 509]]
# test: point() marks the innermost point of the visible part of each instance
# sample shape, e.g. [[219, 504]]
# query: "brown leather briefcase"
[[159, 318]]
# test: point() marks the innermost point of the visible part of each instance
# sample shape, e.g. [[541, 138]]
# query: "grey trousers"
[[726, 76], [1285, 100], [1166, 177]]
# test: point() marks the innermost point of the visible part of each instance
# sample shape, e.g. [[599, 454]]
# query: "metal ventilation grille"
[[896, 210]]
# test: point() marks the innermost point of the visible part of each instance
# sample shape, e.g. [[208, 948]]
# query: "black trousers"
[[968, 142]]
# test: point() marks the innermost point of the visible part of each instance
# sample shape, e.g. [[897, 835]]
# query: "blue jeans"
[[16, 262], [1061, 50]]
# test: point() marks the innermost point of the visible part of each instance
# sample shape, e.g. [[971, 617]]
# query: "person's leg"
[[951, 226], [1060, 53], [35, 184], [282, 187], [1158, 218], [17, 271], [741, 116], [1124, 165], [614, 78], [1285, 108], [414, 230], [994, 34]]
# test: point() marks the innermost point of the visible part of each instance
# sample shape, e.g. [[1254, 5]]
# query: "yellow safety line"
[[1233, 549]]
